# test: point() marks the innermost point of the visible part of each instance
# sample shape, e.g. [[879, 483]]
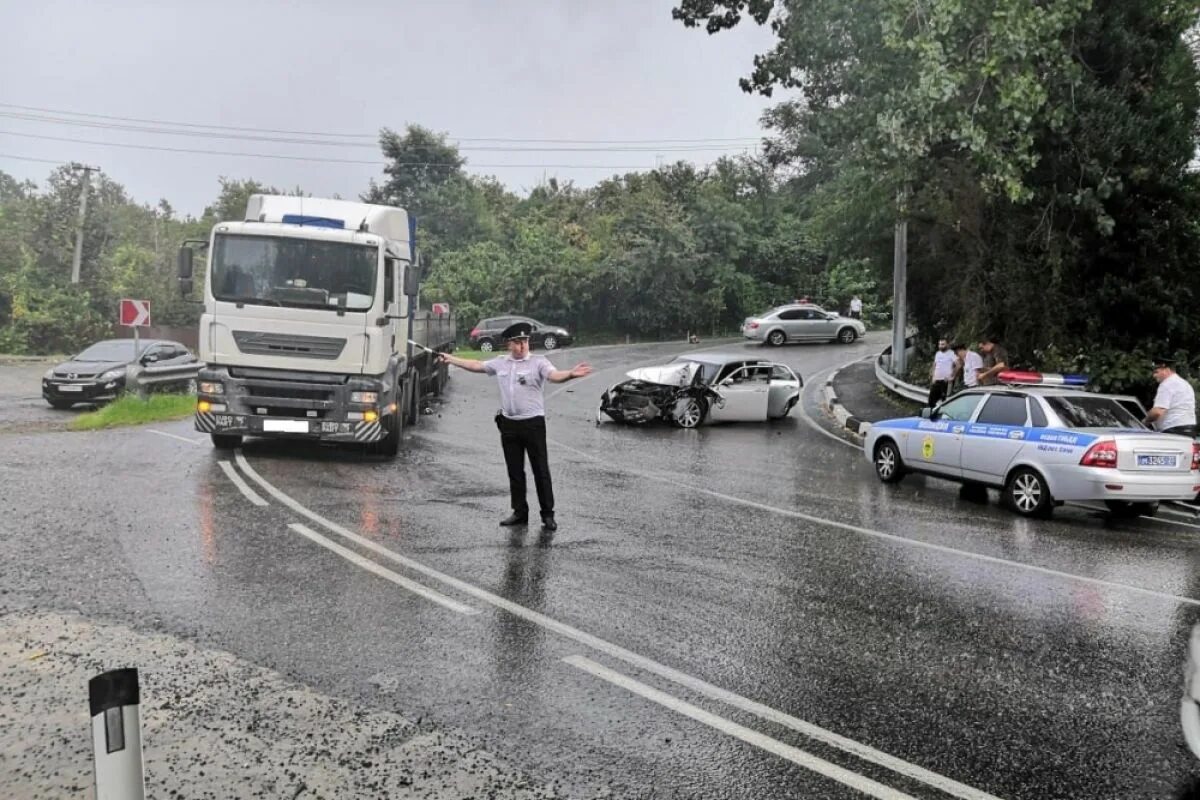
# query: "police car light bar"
[[1024, 378]]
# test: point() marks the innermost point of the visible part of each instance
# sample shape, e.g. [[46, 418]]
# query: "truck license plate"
[[285, 426], [1157, 461]]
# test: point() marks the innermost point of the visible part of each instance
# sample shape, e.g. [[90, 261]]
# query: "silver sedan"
[[1041, 446], [802, 323]]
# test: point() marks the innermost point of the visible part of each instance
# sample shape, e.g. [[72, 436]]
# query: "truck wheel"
[[412, 407], [393, 429], [226, 441]]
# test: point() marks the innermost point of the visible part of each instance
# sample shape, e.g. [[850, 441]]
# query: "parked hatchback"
[[802, 323], [98, 373], [486, 336]]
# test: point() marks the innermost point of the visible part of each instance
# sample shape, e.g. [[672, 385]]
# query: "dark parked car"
[[486, 335], [98, 373]]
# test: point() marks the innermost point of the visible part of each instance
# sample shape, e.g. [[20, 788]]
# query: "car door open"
[[745, 395]]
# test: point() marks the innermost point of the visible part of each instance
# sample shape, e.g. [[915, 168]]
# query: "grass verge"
[[132, 410]]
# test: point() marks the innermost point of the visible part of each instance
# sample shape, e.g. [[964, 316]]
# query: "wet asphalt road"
[[988, 655]]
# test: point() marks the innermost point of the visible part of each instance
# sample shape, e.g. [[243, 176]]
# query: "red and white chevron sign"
[[135, 313]]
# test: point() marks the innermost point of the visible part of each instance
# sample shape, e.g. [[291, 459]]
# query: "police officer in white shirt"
[[944, 364], [522, 417], [1174, 409]]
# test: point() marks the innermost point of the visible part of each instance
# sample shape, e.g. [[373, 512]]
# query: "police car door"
[[936, 443], [744, 394], [995, 437]]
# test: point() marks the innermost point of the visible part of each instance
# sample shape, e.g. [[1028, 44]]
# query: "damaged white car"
[[703, 387]]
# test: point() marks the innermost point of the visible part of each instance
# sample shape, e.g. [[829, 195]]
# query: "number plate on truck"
[[285, 426]]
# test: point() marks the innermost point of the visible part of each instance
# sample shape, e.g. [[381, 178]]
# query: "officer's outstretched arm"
[[469, 364]]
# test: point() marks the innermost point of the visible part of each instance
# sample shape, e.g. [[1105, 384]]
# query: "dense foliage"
[[1039, 151]]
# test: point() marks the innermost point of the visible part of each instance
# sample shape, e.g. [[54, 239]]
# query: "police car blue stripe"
[[1062, 436]]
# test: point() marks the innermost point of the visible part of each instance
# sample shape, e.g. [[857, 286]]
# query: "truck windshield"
[[283, 271]]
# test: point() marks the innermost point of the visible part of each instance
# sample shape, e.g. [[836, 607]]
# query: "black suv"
[[486, 335]]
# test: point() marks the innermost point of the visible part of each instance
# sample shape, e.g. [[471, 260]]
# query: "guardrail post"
[[114, 698]]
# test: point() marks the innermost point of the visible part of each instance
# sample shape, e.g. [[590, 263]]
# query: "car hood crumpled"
[[666, 375]]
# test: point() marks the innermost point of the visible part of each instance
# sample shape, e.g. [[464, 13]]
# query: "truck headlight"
[[208, 387], [364, 397], [113, 374]]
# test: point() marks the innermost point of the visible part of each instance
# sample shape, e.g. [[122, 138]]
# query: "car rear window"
[[1082, 411]]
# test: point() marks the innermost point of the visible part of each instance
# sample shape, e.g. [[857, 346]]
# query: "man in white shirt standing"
[[856, 307], [1174, 409], [969, 364], [944, 365]]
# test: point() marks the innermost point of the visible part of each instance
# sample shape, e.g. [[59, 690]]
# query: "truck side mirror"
[[412, 280], [184, 269], [184, 263]]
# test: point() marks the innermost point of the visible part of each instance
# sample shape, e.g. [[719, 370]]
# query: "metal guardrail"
[[906, 390], [141, 380]]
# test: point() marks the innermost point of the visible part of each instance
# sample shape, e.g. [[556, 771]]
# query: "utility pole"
[[899, 285], [83, 197]]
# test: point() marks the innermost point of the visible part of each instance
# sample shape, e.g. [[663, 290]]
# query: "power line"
[[30, 158], [375, 136], [315, 160], [371, 145]]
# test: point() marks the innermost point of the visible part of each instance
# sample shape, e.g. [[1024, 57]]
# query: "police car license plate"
[[1157, 461]]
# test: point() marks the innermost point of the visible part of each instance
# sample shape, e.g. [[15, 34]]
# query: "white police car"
[[1041, 443]]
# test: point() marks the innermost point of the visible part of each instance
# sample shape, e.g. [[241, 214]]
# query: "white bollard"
[[117, 735]]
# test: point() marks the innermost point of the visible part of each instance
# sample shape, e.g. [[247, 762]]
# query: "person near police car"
[[1174, 408], [521, 378], [945, 363], [969, 365], [995, 360]]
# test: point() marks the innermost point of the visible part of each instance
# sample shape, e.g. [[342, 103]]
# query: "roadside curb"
[[844, 418]]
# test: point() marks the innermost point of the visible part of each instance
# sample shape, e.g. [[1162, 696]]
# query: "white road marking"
[[809, 729], [173, 436], [773, 746], [383, 572], [891, 537], [812, 423], [246, 491]]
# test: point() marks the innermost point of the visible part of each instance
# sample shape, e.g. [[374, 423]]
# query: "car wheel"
[[776, 338], [889, 467], [1124, 509], [486, 345], [689, 412], [847, 335], [226, 441], [61, 405], [1027, 493]]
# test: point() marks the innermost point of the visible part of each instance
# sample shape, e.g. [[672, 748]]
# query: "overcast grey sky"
[[516, 69]]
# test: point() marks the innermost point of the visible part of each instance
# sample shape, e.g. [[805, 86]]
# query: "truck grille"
[[279, 344]]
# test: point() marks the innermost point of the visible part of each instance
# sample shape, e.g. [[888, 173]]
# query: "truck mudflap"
[[325, 430]]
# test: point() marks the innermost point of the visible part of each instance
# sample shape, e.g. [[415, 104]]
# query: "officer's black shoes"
[[548, 522], [514, 519]]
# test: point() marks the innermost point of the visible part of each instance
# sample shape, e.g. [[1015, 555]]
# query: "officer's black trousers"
[[518, 437]]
